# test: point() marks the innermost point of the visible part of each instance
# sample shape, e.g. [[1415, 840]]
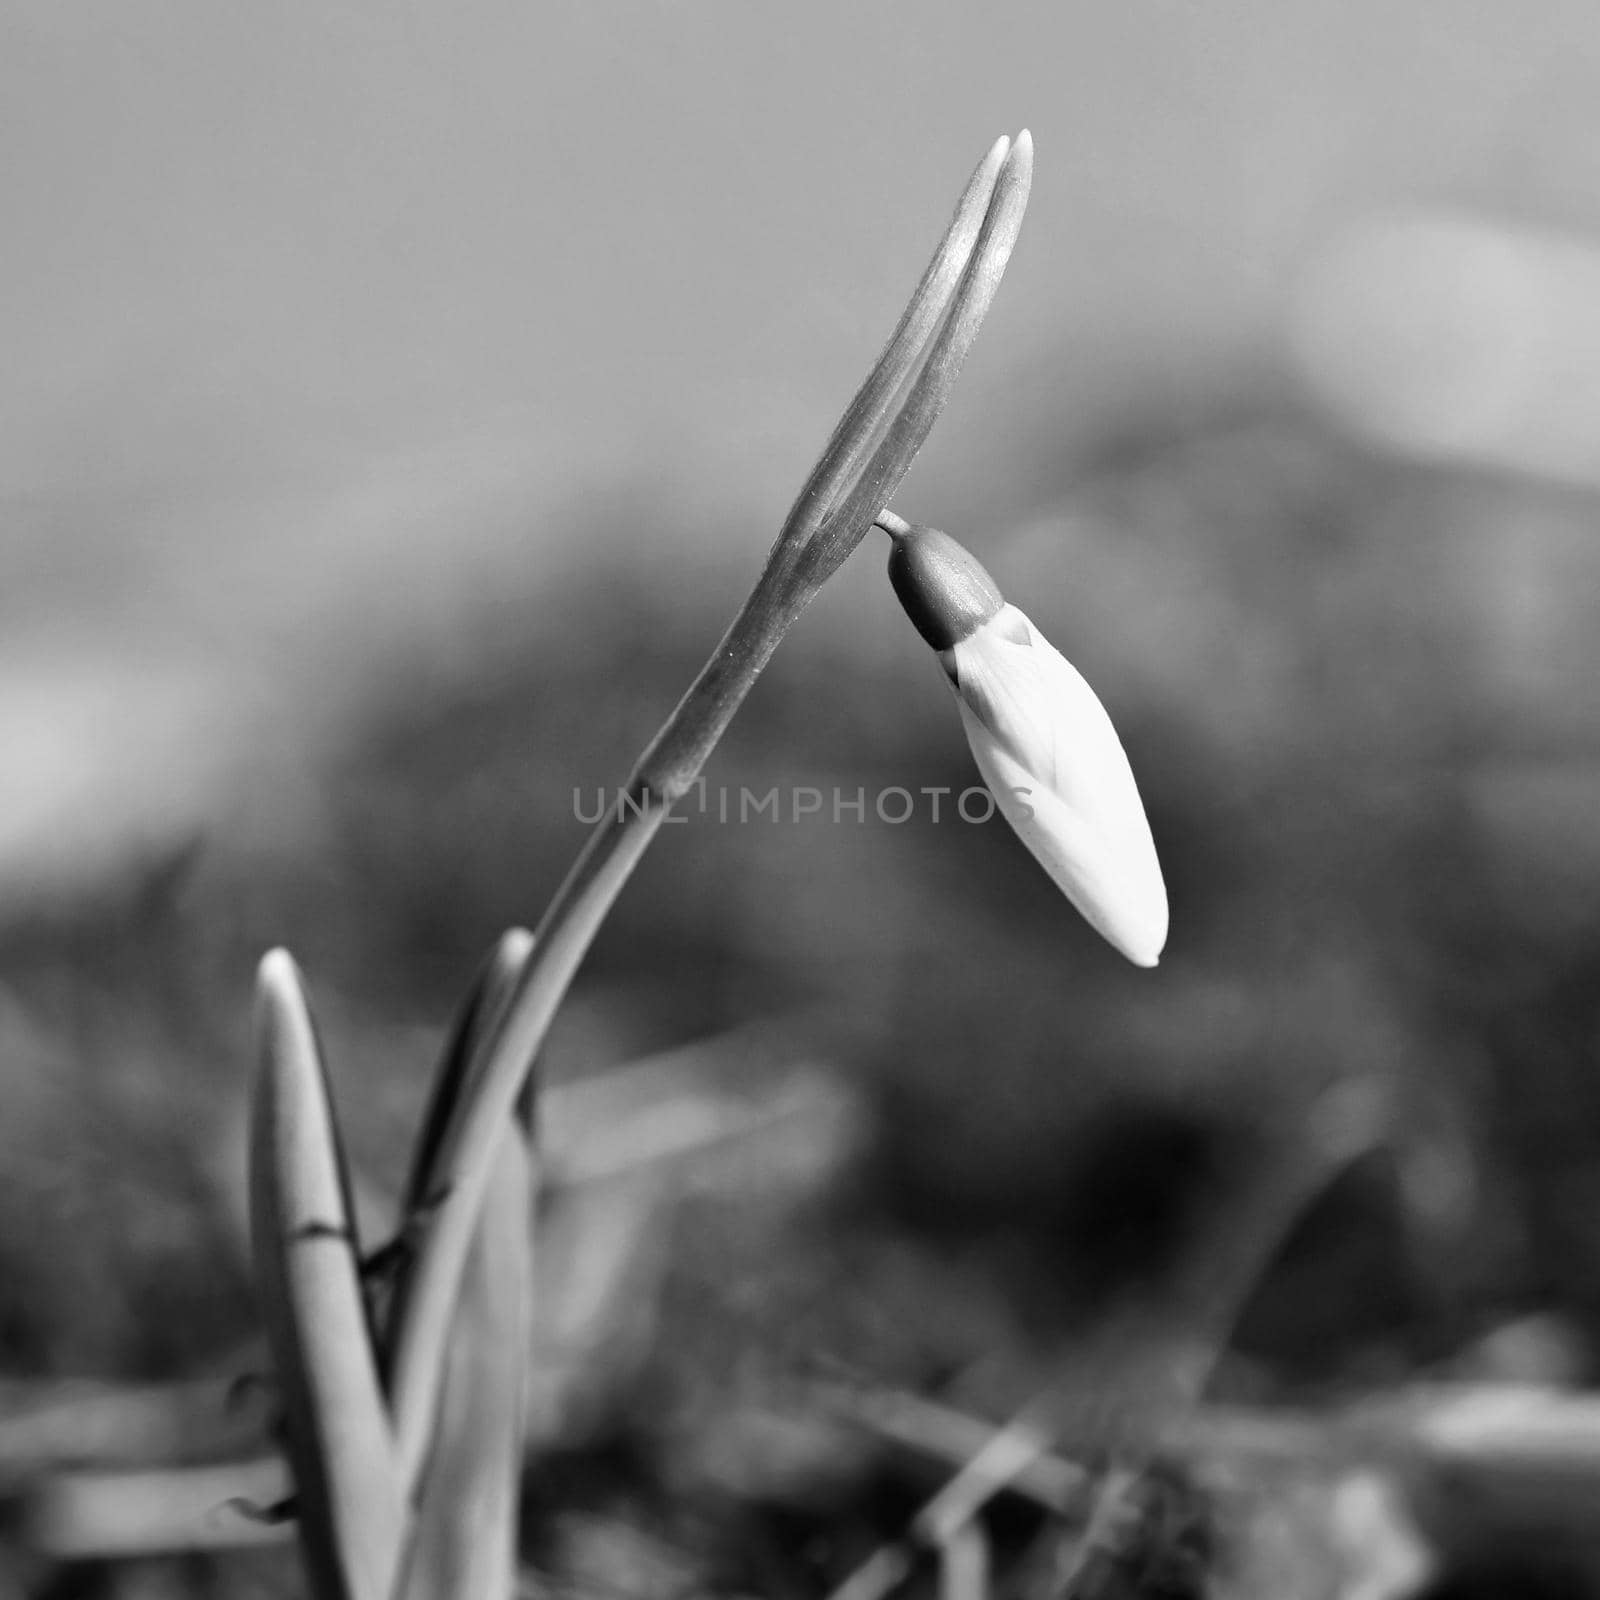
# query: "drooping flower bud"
[[1041, 738]]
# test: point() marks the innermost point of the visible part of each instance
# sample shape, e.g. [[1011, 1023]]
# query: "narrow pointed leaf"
[[428, 1184], [466, 1537], [489, 993], [465, 1541], [349, 1496]]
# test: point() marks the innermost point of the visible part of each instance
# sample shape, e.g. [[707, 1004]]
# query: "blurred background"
[[398, 400]]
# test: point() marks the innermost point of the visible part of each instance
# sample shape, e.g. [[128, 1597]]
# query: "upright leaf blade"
[[466, 1538], [489, 995], [350, 1498], [466, 1530]]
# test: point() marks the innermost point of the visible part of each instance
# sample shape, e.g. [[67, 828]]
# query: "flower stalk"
[[863, 463]]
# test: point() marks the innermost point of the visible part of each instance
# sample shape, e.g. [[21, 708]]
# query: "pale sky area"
[[316, 312]]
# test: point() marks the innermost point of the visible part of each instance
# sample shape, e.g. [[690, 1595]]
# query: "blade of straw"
[[964, 1564]]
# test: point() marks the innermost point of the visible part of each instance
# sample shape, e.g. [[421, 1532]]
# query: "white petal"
[[1048, 751]]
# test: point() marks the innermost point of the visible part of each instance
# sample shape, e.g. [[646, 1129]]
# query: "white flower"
[[1041, 738]]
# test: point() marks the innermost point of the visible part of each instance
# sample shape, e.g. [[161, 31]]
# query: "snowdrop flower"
[[1042, 740]]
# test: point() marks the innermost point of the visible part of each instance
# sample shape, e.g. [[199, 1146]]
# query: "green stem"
[[869, 453]]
